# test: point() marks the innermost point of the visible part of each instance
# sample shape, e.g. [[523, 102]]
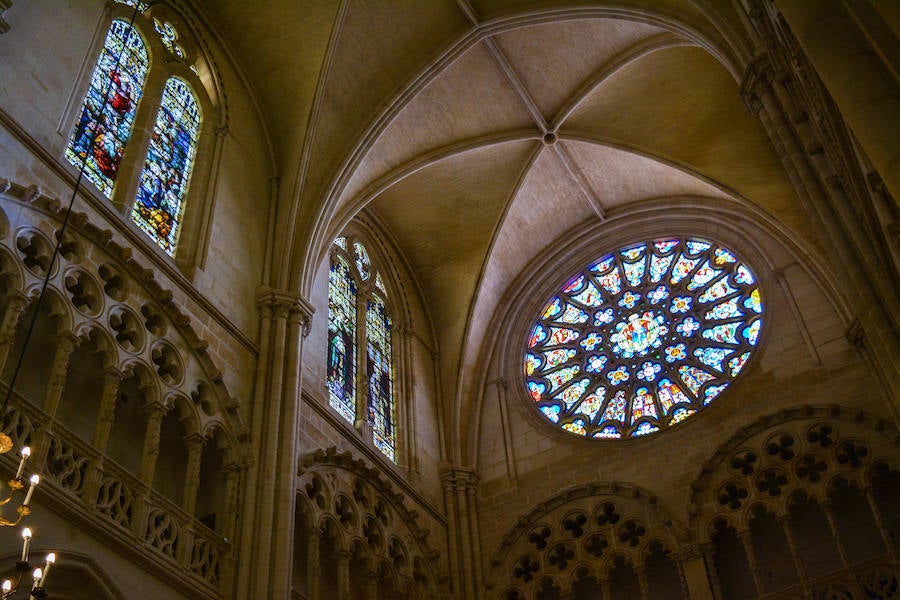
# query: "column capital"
[[460, 478], [756, 81], [195, 442], [290, 304]]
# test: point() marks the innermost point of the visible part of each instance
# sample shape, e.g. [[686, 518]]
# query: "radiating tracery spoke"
[[643, 338]]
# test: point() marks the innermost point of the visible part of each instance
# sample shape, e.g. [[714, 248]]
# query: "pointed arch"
[[107, 118], [166, 175]]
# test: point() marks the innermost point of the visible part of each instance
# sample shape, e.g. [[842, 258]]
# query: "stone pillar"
[[785, 522], [313, 564], [154, 413], [343, 575], [879, 520], [195, 443], [641, 572], [835, 534], [112, 379], [693, 563], [370, 587], [267, 531], [65, 345], [847, 59], [747, 541], [460, 486], [18, 302]]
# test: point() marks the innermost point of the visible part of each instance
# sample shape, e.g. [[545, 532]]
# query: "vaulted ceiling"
[[480, 132]]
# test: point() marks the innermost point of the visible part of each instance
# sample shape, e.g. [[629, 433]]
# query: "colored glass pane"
[[363, 265], [107, 117], [169, 37], [342, 340], [657, 329], [164, 180], [380, 397], [379, 283]]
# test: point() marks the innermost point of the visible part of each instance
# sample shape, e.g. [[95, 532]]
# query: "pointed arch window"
[[109, 107], [167, 170], [159, 160], [359, 317]]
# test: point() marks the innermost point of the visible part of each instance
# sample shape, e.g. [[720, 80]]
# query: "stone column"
[[267, 533], [370, 587], [112, 379], [154, 413], [747, 541], [18, 302], [460, 485], [785, 522], [693, 568], [641, 572], [879, 520], [65, 345], [195, 443], [835, 534], [343, 575], [313, 564]]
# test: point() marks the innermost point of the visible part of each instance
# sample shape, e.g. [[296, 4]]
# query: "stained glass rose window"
[[643, 338]]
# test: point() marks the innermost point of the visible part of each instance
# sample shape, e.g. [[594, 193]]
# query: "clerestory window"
[[360, 377]]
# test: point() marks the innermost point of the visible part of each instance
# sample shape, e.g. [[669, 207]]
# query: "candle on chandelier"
[[34, 481], [51, 558], [26, 540], [37, 574], [26, 452]]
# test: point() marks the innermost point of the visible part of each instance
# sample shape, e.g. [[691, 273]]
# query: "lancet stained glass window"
[[167, 170], [103, 130], [356, 290], [342, 339], [380, 403], [643, 338]]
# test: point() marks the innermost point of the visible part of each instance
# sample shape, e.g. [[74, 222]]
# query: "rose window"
[[643, 338]]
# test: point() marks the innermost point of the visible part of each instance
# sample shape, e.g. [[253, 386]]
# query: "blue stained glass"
[[590, 406], [167, 171], [363, 265], [609, 432], [658, 267], [743, 276], [725, 310], [695, 247], [718, 290], [682, 268], [342, 340], [658, 329], [575, 285], [712, 357], [552, 412], [751, 333], [658, 295], [702, 276], [603, 265], [595, 364], [725, 333], [643, 429], [538, 335], [107, 117], [573, 315], [379, 372], [633, 253], [573, 393], [634, 272], [590, 296]]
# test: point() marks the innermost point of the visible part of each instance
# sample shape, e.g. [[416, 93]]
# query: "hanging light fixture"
[[9, 587]]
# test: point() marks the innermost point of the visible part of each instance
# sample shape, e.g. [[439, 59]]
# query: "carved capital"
[[757, 81], [282, 303]]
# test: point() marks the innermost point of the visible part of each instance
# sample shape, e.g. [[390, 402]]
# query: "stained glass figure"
[[657, 330], [356, 292], [167, 170], [169, 37], [342, 340], [380, 397], [102, 132]]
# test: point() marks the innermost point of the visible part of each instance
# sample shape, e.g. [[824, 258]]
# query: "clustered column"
[[460, 487]]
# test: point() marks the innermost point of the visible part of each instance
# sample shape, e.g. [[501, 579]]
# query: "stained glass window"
[[167, 170], [643, 338], [169, 36], [342, 339], [380, 403], [356, 290], [99, 138]]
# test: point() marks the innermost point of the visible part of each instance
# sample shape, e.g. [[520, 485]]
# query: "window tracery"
[[643, 338], [359, 317], [102, 135]]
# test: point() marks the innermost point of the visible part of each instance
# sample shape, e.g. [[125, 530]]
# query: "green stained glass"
[[107, 116], [657, 329]]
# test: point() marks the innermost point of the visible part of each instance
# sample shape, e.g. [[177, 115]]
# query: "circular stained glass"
[[643, 338]]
